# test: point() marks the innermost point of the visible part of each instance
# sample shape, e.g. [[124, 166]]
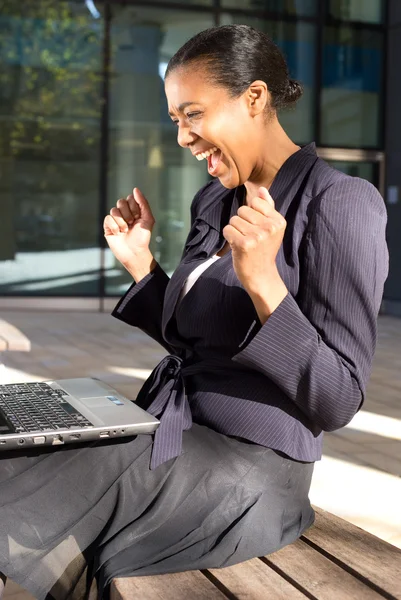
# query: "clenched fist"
[[128, 229], [255, 235]]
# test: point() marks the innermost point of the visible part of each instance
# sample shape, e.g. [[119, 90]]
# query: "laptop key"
[[38, 407]]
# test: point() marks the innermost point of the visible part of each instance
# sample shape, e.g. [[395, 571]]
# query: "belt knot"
[[166, 393]]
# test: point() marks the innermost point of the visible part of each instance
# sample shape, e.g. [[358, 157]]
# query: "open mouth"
[[213, 156], [213, 162]]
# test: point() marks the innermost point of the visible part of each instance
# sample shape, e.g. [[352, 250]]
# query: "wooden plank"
[[319, 576], [13, 591], [371, 557], [15, 339], [174, 586], [254, 580]]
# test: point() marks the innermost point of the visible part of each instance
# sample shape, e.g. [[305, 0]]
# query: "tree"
[[50, 105]]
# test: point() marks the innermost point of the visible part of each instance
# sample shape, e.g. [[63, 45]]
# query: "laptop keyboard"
[[38, 407]]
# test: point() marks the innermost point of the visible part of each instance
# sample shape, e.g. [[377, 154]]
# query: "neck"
[[276, 148]]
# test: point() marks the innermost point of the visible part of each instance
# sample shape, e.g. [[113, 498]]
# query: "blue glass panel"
[[297, 42], [302, 8], [352, 67], [300, 57], [365, 170], [50, 109], [351, 86], [366, 11]]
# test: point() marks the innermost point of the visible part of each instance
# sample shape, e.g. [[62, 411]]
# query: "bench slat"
[[333, 559], [13, 337], [371, 557], [318, 575], [254, 580], [174, 586]]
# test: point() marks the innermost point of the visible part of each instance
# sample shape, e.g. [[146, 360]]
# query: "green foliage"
[[50, 77]]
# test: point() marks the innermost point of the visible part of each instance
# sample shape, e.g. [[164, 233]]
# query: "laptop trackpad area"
[[83, 388], [96, 402], [102, 401]]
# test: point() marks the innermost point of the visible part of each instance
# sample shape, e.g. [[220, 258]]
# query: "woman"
[[270, 325]]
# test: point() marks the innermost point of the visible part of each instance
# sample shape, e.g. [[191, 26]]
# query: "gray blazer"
[[305, 370]]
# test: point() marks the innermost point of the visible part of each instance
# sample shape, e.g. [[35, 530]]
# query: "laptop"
[[64, 411]]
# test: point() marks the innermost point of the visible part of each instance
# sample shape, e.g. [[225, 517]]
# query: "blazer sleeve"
[[319, 348], [142, 305]]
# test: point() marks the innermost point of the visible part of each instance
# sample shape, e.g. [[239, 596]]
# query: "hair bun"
[[293, 92]]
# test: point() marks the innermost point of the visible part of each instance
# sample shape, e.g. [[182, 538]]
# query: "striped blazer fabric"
[[304, 371]]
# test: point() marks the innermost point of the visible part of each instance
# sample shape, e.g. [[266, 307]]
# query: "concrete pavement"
[[359, 477]]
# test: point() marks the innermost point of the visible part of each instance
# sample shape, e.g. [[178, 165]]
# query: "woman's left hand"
[[255, 235]]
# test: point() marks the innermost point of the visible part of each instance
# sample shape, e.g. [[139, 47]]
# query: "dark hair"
[[237, 55]]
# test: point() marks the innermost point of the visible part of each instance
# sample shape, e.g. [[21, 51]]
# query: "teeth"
[[202, 155]]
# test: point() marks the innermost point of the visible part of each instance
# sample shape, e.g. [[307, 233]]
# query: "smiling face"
[[230, 130]]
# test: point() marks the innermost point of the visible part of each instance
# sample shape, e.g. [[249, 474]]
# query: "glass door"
[[143, 148], [50, 56]]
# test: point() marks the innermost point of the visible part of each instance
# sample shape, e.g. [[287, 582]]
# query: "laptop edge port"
[[104, 434], [57, 439]]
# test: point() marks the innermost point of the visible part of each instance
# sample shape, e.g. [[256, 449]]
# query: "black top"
[[306, 369]]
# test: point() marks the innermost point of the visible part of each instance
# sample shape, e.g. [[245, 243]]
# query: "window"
[[53, 137], [368, 11], [144, 151], [351, 87], [49, 149], [288, 7], [364, 169], [297, 42], [185, 3]]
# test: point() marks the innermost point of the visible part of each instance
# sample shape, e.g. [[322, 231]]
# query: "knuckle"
[[121, 203], [227, 230], [260, 235], [243, 211], [248, 243]]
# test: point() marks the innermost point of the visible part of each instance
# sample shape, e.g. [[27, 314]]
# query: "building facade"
[[83, 119]]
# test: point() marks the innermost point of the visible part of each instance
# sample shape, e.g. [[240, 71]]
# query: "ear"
[[257, 96]]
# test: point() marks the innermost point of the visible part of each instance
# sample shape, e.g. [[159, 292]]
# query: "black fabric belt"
[[163, 396]]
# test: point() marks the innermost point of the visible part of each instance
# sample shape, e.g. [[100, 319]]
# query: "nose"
[[185, 136]]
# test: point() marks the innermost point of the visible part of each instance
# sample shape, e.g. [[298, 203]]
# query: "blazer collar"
[[291, 174], [226, 205], [222, 205]]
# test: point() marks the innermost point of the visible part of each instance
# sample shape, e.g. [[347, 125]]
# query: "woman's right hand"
[[128, 229]]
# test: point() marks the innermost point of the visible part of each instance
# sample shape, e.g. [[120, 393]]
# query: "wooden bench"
[[333, 560], [12, 339]]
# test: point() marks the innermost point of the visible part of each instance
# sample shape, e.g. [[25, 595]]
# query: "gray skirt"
[[71, 519]]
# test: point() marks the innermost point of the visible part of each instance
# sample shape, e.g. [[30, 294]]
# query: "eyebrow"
[[181, 107]]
